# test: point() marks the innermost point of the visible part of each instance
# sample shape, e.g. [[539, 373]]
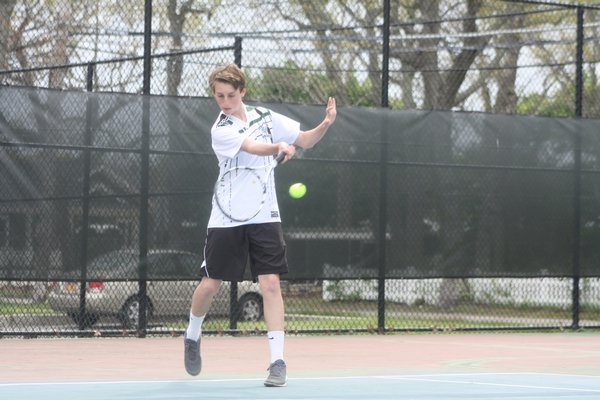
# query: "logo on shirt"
[[225, 121], [274, 214]]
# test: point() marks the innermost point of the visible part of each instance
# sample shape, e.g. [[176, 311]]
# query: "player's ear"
[[243, 92]]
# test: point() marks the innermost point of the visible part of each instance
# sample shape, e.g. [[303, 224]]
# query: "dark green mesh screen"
[[465, 194]]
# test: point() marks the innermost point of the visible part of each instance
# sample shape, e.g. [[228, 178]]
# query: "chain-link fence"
[[414, 220], [524, 57], [465, 219]]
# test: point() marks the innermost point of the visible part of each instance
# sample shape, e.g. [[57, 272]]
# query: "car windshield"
[[162, 264], [173, 265], [116, 264]]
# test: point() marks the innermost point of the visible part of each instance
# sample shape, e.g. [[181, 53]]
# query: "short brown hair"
[[230, 73]]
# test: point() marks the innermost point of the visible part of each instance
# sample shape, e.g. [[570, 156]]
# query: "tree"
[[170, 211], [289, 83], [183, 16], [6, 31]]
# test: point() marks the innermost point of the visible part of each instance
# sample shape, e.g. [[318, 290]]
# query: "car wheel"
[[250, 307], [130, 312], [86, 320]]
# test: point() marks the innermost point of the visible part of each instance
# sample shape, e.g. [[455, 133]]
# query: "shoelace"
[[192, 347], [276, 369]]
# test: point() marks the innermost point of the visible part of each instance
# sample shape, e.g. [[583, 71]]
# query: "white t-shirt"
[[228, 133]]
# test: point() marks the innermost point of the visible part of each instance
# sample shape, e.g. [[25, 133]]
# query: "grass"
[[311, 312], [308, 311], [12, 307], [361, 324]]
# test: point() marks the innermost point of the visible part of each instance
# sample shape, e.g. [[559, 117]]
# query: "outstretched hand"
[[307, 139], [330, 111]]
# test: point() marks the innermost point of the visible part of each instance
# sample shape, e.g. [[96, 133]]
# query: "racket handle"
[[280, 157]]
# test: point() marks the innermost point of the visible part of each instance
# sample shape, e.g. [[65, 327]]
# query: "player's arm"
[[307, 139], [267, 149]]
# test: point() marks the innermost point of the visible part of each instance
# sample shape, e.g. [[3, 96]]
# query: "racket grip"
[[280, 157]]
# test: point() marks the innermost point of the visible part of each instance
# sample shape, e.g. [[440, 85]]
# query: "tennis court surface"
[[398, 366]]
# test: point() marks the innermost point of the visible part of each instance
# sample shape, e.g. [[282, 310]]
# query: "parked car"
[[112, 289]]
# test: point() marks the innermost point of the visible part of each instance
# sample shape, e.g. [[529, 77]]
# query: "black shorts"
[[228, 250]]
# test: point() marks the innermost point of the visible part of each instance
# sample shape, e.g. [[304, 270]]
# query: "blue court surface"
[[504, 386]]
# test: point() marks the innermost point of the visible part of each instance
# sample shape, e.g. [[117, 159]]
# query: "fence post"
[[145, 173], [233, 288], [577, 172], [90, 109], [382, 226]]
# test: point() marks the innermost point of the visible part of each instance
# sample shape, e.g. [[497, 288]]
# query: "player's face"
[[229, 99]]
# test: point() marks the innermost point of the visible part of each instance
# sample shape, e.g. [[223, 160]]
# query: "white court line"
[[478, 374], [75, 383], [423, 378], [441, 378]]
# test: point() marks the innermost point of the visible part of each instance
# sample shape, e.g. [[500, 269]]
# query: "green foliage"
[[339, 293], [538, 104], [562, 102], [292, 83], [284, 84], [359, 93]]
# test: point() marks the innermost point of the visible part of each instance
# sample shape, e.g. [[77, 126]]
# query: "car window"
[[116, 264], [162, 265], [123, 264]]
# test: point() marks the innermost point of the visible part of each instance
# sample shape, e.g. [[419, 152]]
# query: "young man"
[[244, 135]]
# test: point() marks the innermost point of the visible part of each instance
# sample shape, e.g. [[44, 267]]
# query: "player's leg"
[[201, 301], [270, 287], [226, 255], [274, 318], [268, 261]]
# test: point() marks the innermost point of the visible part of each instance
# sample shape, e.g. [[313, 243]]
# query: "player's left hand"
[[330, 111]]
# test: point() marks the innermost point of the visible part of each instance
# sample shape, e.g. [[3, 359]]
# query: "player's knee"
[[270, 285], [209, 287]]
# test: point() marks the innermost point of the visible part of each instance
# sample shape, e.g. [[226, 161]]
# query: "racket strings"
[[241, 193]]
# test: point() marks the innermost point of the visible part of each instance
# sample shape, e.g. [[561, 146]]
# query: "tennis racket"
[[241, 192]]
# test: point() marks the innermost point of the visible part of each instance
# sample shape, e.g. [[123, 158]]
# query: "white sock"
[[194, 329], [276, 339]]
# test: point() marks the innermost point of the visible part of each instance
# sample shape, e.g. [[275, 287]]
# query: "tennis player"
[[241, 135]]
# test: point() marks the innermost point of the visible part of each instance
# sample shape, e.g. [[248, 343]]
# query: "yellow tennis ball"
[[297, 190]]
